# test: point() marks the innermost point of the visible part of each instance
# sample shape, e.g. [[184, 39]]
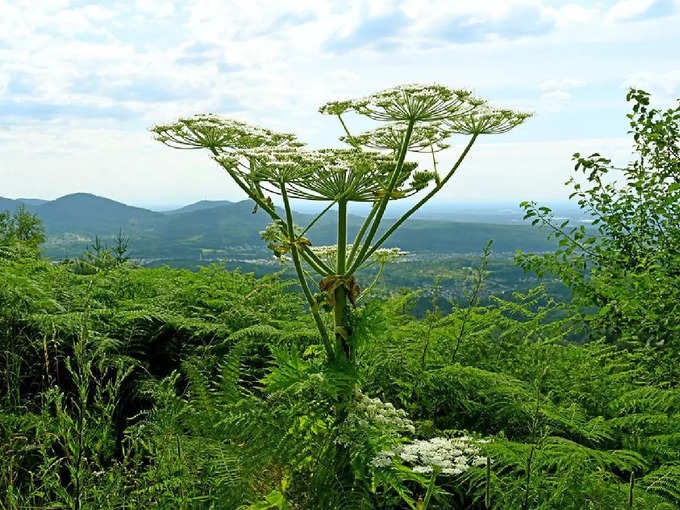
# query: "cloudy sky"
[[81, 82]]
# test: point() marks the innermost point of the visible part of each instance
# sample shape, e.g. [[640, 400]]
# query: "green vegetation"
[[198, 231], [131, 387]]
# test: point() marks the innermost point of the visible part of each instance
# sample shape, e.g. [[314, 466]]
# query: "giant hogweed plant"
[[372, 168]]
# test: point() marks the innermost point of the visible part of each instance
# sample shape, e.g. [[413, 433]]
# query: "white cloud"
[[641, 9], [86, 81], [664, 85], [516, 171], [555, 100], [4, 81], [565, 83], [556, 94]]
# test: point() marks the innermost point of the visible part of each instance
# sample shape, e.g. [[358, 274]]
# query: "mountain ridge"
[[73, 221]]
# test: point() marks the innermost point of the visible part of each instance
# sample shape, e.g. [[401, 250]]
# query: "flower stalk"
[[420, 118], [303, 280]]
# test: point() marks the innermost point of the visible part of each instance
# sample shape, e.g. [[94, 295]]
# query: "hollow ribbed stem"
[[301, 276], [413, 209], [383, 203], [430, 490], [342, 236], [360, 234], [340, 308]]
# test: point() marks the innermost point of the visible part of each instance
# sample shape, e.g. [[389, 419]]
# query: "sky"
[[81, 82]]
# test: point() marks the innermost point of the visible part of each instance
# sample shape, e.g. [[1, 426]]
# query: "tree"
[[22, 231], [627, 268], [28, 227], [373, 168]]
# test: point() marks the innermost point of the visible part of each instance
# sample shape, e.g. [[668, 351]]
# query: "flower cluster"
[[327, 174], [381, 255], [412, 102], [424, 137], [488, 121], [214, 132], [386, 255], [448, 456], [277, 239], [367, 413]]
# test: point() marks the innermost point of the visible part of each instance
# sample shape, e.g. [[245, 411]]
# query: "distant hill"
[[219, 229], [198, 206], [84, 213], [7, 204], [11, 205], [32, 201]]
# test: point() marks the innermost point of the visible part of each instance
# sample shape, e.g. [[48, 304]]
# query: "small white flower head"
[[276, 236], [329, 255], [447, 456], [426, 137], [412, 102], [372, 415], [280, 164], [214, 132], [488, 121], [273, 233], [386, 255], [383, 459], [327, 174]]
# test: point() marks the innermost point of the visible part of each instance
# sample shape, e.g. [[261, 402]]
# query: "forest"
[[320, 387]]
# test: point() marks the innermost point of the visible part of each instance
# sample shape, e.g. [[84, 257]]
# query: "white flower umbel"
[[217, 133], [427, 137], [327, 175], [372, 415], [488, 121], [451, 456], [412, 102]]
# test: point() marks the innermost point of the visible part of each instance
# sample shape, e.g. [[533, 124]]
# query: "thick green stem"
[[420, 203], [487, 485], [342, 236], [384, 201], [301, 276], [430, 490], [631, 491], [360, 234], [340, 309]]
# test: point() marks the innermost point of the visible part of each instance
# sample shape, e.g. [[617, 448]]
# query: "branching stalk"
[[420, 203], [368, 289], [361, 233], [361, 258], [301, 276], [315, 262], [317, 218], [474, 298]]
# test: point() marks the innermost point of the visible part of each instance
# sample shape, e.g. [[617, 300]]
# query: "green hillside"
[[230, 229], [197, 206], [83, 213]]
